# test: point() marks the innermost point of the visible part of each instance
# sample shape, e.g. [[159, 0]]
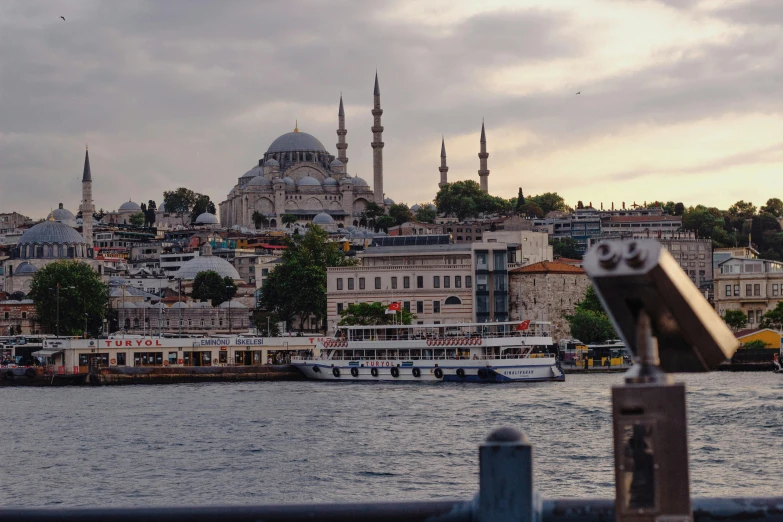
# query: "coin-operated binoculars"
[[669, 327]]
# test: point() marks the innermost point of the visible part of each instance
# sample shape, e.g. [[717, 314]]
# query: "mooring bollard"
[[506, 478]]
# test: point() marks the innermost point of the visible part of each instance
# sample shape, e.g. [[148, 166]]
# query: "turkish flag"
[[394, 307], [524, 325]]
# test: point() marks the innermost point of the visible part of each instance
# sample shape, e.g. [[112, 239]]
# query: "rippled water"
[[241, 443]]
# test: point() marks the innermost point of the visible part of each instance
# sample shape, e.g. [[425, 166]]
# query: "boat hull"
[[521, 370]]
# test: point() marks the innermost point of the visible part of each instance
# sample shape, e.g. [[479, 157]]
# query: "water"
[[242, 443]]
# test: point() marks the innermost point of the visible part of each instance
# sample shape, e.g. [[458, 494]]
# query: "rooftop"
[[548, 267]]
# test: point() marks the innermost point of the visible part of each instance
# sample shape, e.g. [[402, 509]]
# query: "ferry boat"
[[465, 352]]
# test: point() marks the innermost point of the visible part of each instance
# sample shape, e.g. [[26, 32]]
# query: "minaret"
[[87, 208], [341, 132], [483, 155], [377, 145], [444, 169]]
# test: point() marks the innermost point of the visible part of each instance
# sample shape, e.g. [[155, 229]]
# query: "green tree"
[[384, 222], [565, 247], [149, 215], [400, 213], [549, 201], [209, 286], [774, 206], [532, 210], [259, 220], [742, 209], [465, 199], [368, 314], [756, 344], [774, 318], [589, 322], [426, 214], [137, 219], [82, 295], [266, 323], [203, 204], [297, 286], [735, 319], [519, 204], [679, 209], [702, 220], [179, 202], [288, 219]]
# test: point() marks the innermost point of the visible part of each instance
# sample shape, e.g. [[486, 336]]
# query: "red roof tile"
[[548, 267]]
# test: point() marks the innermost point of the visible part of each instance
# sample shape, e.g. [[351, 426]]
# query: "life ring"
[[214, 361], [180, 361], [429, 342], [416, 372], [438, 373], [336, 372], [395, 372], [165, 363], [355, 372], [374, 372], [316, 369], [460, 373], [113, 361]]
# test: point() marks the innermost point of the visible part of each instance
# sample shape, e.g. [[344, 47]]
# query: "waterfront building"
[[18, 317], [139, 317], [547, 291], [722, 254], [754, 286]]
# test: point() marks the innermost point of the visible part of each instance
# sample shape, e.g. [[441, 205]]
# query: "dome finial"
[[50, 217], [296, 126]]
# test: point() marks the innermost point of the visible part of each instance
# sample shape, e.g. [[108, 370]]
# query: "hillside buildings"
[[754, 286]]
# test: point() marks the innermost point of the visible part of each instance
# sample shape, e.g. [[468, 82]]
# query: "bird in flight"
[[580, 92], [63, 18]]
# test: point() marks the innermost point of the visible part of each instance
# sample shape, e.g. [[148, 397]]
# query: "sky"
[[599, 100]]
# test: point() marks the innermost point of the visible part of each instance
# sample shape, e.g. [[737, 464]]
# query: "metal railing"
[[506, 493]]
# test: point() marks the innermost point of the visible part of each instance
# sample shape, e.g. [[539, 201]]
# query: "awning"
[[46, 353]]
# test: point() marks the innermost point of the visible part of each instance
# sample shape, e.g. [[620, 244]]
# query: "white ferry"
[[466, 352]]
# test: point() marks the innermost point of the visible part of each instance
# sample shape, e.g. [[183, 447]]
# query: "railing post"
[[506, 478]]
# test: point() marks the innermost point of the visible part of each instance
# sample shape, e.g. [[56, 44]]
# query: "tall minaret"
[[87, 208], [483, 155], [377, 145], [444, 169], [341, 132]]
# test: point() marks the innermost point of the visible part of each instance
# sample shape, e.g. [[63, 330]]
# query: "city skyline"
[[175, 94]]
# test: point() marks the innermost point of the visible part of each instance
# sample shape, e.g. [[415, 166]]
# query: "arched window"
[[452, 300], [59, 251], [127, 323], [135, 322]]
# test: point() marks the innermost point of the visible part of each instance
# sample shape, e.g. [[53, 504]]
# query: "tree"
[[297, 286], [209, 286], [735, 319], [137, 219], [371, 212], [179, 202], [259, 220], [266, 322], [565, 247], [82, 296], [756, 344], [679, 209], [774, 318], [549, 201], [426, 214], [774, 206], [465, 199], [383, 223], [150, 214], [368, 314], [532, 210], [519, 204], [400, 213], [589, 323], [203, 204], [742, 209], [288, 219]]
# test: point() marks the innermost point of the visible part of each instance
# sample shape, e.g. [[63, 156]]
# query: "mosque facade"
[[298, 176]]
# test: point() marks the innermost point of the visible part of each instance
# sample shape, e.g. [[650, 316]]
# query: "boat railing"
[[425, 357]]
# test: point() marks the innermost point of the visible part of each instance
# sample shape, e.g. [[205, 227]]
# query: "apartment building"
[[754, 286]]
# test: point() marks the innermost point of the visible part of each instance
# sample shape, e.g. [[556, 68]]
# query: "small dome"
[[190, 269], [296, 141], [359, 182], [290, 184], [25, 268], [309, 181], [415, 208], [336, 163], [234, 304], [271, 162], [63, 215], [207, 219], [180, 304], [51, 232], [430, 206], [130, 206], [161, 208], [330, 181], [128, 304], [259, 181], [323, 219], [388, 201], [255, 171]]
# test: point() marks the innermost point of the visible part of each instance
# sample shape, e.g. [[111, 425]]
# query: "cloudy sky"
[[680, 99]]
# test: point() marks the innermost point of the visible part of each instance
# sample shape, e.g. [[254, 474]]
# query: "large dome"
[[51, 232], [207, 219], [64, 215], [296, 141], [130, 205], [198, 264]]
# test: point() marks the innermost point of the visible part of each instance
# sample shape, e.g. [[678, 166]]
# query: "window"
[[121, 359], [748, 290], [468, 281], [500, 260], [736, 291], [481, 261], [457, 281], [500, 282], [758, 316], [172, 358], [406, 282], [6, 315], [750, 316], [419, 307], [339, 308], [406, 305], [394, 283], [452, 300], [340, 283], [265, 272], [436, 307], [419, 281], [728, 290], [757, 290], [361, 283], [377, 283], [435, 281], [223, 357], [446, 281], [350, 283], [774, 289], [481, 283]]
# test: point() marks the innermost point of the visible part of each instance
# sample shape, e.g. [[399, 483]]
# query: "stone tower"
[[341, 132], [444, 169], [483, 155], [87, 208], [377, 145]]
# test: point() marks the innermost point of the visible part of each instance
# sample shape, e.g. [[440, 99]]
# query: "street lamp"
[[228, 291], [57, 321]]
